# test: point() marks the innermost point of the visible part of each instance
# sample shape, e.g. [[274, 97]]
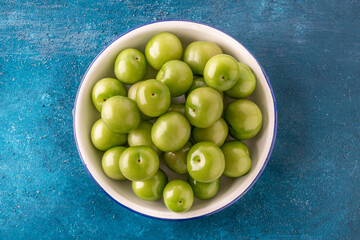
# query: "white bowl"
[[85, 114]]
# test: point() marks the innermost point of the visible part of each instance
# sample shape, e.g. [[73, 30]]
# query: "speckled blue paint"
[[310, 188]]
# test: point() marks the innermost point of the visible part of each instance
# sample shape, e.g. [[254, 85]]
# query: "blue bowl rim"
[[261, 170]]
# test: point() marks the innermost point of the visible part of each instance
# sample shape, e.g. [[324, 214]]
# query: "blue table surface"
[[311, 53]]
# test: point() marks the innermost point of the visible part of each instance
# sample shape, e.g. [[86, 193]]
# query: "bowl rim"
[[257, 176]]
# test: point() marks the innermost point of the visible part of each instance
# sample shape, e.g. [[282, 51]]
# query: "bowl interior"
[[85, 115]]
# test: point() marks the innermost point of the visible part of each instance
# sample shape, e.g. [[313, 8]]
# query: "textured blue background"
[[311, 52]]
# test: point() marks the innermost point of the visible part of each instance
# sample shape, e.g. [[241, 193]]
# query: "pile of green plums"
[[143, 120]]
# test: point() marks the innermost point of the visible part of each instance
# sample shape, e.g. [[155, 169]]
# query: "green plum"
[[244, 119], [198, 53], [130, 66], [204, 106], [221, 72], [237, 159], [170, 132], [205, 162], [177, 107], [105, 89], [178, 196], [139, 163], [162, 48], [110, 163], [133, 90], [197, 83], [120, 114], [246, 84], [151, 189], [141, 136], [204, 190], [176, 161], [104, 138], [132, 95], [153, 98], [216, 133], [177, 75]]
